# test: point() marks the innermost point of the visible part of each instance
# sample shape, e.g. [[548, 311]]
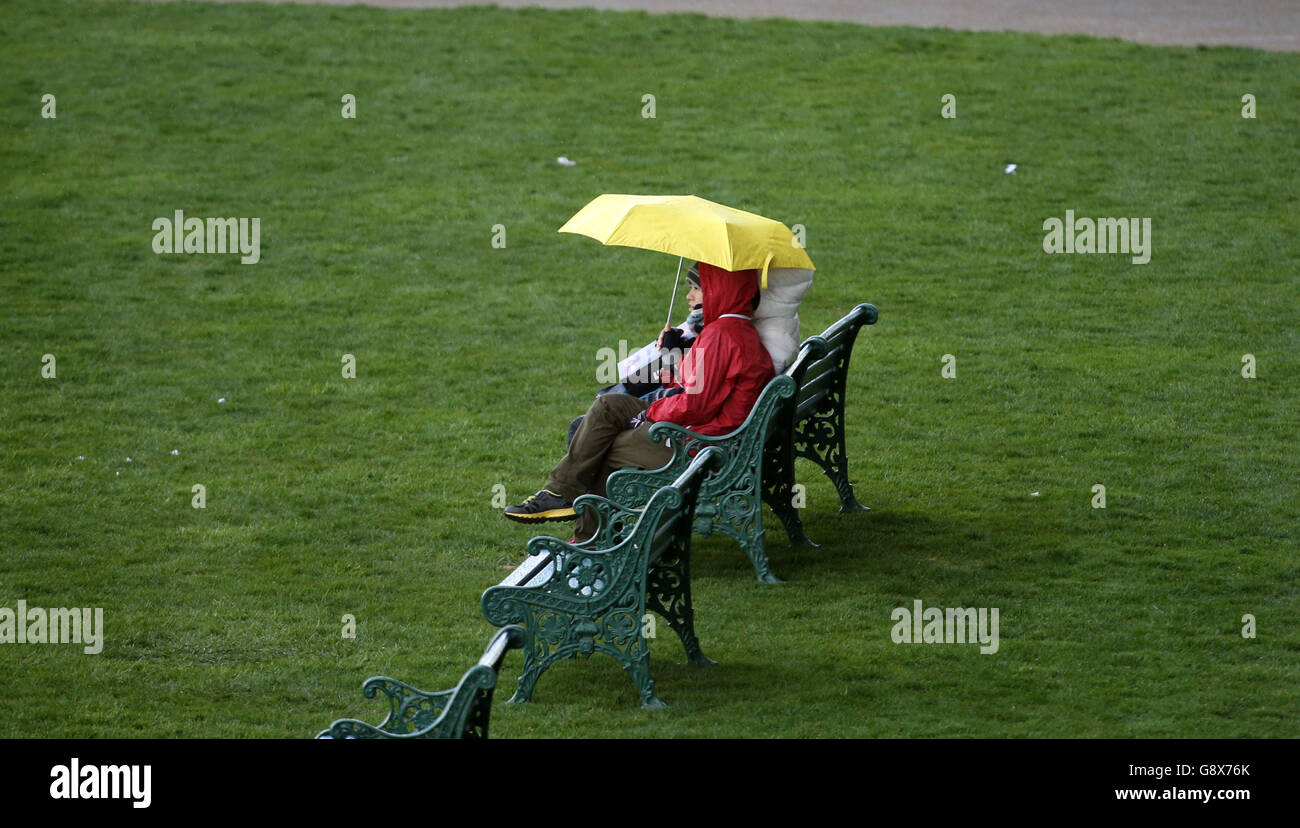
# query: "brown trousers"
[[603, 444]]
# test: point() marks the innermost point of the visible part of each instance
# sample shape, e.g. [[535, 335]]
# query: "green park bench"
[[459, 713], [799, 414], [592, 597]]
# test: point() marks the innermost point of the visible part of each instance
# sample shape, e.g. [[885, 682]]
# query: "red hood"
[[727, 291]]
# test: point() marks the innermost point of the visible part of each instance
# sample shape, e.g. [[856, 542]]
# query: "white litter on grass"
[[223, 399], [175, 452], [1033, 494], [81, 457], [565, 162], [117, 474], [1010, 170]]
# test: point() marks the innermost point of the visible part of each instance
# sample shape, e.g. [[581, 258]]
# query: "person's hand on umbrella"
[[670, 339]]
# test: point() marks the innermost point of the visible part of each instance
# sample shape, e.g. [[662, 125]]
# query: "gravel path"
[[1261, 24]]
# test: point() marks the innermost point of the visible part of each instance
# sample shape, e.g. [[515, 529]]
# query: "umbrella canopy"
[[691, 227]]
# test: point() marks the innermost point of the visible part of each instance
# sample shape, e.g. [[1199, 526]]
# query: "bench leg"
[[548, 637], [622, 637], [638, 667], [739, 515], [848, 503], [553, 635], [669, 594], [758, 557], [533, 669], [755, 547], [789, 517], [821, 440], [778, 492]]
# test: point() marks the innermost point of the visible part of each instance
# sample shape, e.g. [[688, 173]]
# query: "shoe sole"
[[542, 517]]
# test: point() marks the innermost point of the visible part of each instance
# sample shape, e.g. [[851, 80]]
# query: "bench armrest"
[[409, 709], [614, 522], [572, 575], [418, 714]]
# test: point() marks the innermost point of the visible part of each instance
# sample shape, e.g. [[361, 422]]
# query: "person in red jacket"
[[721, 378]]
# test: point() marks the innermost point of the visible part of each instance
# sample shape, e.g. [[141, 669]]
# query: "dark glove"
[[673, 340]]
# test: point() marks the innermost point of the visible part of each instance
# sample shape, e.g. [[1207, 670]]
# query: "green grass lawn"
[[373, 496]]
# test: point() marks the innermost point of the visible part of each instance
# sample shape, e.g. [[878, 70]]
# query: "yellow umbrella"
[[693, 228]]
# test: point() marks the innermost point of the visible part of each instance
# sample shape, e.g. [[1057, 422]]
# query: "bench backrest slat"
[[664, 536], [824, 379], [827, 374], [810, 405]]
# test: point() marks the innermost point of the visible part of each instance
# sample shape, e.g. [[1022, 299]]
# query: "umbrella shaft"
[[673, 300]]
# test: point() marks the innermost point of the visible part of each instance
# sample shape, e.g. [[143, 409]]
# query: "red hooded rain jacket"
[[727, 368]]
